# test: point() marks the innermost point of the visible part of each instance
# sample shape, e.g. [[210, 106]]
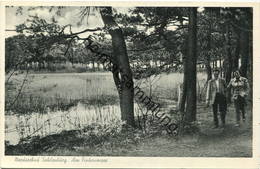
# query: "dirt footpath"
[[228, 142]]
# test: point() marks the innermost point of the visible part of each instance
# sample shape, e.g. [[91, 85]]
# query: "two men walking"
[[216, 96]]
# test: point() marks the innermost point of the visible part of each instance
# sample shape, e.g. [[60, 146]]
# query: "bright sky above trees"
[[69, 15]]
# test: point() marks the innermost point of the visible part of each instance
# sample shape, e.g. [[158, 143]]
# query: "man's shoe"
[[215, 127], [244, 119]]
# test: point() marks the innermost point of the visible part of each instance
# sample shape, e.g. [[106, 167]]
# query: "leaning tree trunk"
[[121, 67], [190, 113]]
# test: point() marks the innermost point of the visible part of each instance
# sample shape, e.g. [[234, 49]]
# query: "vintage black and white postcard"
[[130, 84]]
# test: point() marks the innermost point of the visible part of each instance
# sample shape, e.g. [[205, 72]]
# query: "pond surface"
[[19, 127], [23, 126]]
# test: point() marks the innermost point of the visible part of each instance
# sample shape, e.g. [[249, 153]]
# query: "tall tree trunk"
[[237, 51], [244, 53], [207, 59], [228, 60], [250, 65], [220, 66], [121, 62], [185, 74], [246, 35], [184, 87], [190, 113], [208, 68]]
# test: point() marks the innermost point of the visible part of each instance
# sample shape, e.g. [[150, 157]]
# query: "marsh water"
[[19, 127], [77, 117]]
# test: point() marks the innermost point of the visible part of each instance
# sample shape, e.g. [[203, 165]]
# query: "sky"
[[69, 15]]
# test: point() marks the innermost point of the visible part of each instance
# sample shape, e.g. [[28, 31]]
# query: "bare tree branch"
[[20, 91]]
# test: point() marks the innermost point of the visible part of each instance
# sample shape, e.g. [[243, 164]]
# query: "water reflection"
[[23, 126]]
